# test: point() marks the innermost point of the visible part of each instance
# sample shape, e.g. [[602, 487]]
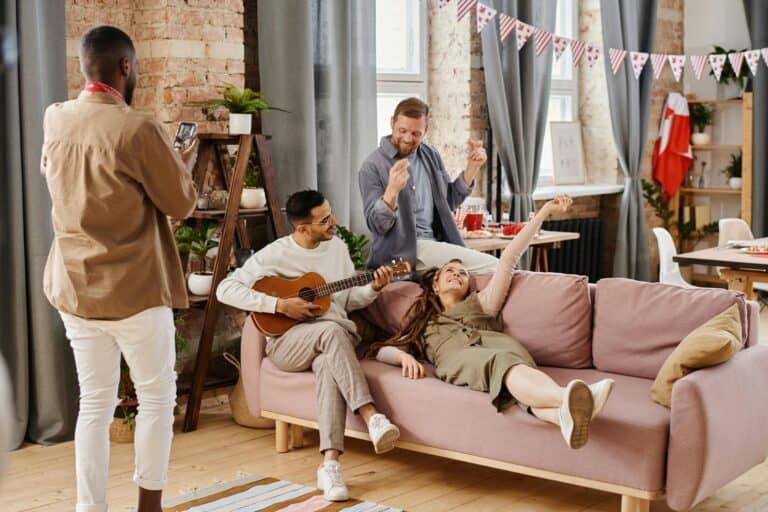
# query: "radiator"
[[580, 256]]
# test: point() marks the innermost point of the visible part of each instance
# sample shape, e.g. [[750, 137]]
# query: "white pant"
[[146, 341], [430, 253]]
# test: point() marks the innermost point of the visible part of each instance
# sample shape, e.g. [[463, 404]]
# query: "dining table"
[[541, 245], [738, 267]]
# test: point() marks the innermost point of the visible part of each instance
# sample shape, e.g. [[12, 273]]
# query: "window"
[[563, 97], [401, 55]]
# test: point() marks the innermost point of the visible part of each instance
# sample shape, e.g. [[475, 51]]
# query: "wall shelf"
[[712, 191], [716, 147]]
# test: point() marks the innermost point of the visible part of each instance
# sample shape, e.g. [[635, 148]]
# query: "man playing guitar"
[[325, 343]]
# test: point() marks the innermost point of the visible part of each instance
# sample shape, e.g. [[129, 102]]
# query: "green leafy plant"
[[727, 74], [197, 241], [654, 195], [701, 116], [356, 244], [236, 101], [733, 170]]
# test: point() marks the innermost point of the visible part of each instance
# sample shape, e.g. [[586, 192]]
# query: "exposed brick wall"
[[186, 49]]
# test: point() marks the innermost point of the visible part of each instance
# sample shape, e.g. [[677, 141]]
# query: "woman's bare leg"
[[533, 387], [549, 415]]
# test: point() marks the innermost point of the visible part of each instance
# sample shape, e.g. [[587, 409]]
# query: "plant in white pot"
[[700, 116], [241, 104], [253, 195], [198, 242], [733, 171]]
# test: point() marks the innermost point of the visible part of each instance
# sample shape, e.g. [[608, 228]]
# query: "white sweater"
[[286, 258]]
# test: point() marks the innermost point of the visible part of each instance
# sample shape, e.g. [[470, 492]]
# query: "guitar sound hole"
[[307, 294]]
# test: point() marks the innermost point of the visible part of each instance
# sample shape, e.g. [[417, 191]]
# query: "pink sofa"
[[623, 329]]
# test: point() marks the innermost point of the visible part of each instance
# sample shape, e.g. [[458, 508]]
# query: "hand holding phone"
[[185, 135]]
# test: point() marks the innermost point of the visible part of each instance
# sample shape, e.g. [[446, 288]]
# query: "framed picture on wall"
[[567, 153]]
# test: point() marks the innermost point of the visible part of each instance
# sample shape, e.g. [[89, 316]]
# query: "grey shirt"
[[424, 207], [394, 231]]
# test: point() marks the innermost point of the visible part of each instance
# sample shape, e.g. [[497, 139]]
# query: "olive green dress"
[[468, 348]]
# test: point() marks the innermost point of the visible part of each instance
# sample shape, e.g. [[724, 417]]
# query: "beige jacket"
[[114, 179]]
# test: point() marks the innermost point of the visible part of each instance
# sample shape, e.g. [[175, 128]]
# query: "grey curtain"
[[757, 19], [318, 60], [33, 343], [517, 87], [630, 25]]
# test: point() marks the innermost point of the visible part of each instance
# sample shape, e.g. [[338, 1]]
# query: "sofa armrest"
[[717, 426], [252, 344]]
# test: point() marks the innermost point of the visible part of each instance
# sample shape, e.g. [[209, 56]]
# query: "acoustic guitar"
[[312, 288]]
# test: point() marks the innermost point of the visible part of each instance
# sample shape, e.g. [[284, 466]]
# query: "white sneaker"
[[575, 413], [331, 481], [600, 392], [383, 433]]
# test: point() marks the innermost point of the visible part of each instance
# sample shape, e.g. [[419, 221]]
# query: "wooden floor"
[[42, 478]]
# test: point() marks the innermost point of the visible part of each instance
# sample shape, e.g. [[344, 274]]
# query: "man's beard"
[[405, 149]]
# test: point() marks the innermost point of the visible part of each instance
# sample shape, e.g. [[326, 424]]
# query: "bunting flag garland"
[[764, 51], [717, 62], [463, 7], [577, 50], [506, 26], [442, 3], [753, 60], [638, 60], [698, 61], [484, 15], [676, 63], [542, 38], [617, 58], [736, 59], [559, 44], [657, 62], [524, 32], [593, 53]]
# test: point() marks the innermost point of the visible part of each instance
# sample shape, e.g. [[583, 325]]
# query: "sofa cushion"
[[627, 442], [637, 325], [708, 345], [550, 314]]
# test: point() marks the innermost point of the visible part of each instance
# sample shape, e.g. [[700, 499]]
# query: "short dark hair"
[[101, 50], [299, 206], [412, 107]]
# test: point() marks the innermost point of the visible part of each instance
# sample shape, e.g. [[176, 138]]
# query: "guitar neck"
[[343, 284]]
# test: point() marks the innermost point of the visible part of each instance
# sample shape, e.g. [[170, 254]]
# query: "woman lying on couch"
[[460, 332]]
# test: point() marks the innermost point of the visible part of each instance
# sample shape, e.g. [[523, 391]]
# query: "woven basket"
[[119, 432], [240, 412]]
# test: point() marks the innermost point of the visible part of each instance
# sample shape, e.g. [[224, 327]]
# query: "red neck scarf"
[[102, 87]]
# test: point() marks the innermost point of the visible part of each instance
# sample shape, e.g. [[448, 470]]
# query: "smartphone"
[[184, 135]]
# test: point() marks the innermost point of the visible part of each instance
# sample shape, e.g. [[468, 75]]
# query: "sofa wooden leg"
[[282, 436], [297, 432], [632, 504]]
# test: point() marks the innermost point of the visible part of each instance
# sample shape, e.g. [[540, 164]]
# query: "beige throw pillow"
[[712, 343]]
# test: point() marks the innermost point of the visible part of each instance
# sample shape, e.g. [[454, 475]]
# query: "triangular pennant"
[[676, 63], [542, 40], [524, 32], [442, 3], [593, 54], [736, 59], [764, 52], [638, 60], [559, 44], [657, 62], [617, 58], [698, 61], [506, 26], [484, 15], [577, 50], [717, 62], [463, 7], [753, 60]]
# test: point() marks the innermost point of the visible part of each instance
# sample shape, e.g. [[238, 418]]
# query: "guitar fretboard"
[[343, 284]]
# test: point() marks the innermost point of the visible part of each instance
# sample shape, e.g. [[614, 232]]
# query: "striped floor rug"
[[253, 493]]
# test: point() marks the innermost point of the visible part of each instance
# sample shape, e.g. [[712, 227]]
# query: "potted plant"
[[241, 104], [730, 86], [198, 242], [253, 195], [701, 116], [356, 244], [733, 171]]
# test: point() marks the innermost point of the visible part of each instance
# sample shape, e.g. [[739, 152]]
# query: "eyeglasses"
[[326, 221]]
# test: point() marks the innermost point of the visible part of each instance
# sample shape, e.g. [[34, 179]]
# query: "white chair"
[[669, 271], [737, 229]]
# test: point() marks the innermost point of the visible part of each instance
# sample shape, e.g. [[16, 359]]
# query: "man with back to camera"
[[408, 196], [113, 271]]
